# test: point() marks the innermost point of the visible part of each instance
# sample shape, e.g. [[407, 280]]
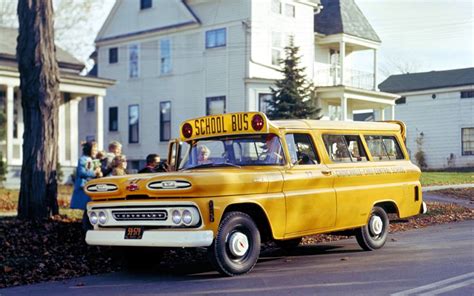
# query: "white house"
[[73, 88], [178, 59], [438, 108]]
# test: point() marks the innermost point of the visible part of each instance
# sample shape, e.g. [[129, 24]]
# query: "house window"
[[145, 4], [289, 10], [113, 119], [276, 6], [215, 105], [400, 101], [113, 55], [90, 104], [467, 141], [467, 94], [165, 121], [277, 48], [216, 38], [165, 56], [133, 123], [263, 105], [133, 51]]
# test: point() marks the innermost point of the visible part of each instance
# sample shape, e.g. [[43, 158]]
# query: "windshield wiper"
[[213, 165]]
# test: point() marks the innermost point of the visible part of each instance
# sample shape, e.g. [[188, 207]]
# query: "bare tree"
[[75, 23], [399, 65], [39, 85]]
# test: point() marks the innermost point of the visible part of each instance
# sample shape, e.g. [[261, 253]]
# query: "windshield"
[[242, 150]]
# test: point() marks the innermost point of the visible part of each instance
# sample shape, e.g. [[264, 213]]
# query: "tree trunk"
[[39, 84]]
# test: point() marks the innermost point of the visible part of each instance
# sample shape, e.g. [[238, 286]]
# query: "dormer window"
[[276, 6], [145, 4]]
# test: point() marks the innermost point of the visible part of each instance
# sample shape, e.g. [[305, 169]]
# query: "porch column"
[[61, 131], [10, 122], [392, 112], [375, 70], [100, 122], [74, 126], [382, 114], [343, 108], [342, 55]]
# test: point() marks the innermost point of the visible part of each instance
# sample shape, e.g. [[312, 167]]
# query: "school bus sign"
[[219, 125]]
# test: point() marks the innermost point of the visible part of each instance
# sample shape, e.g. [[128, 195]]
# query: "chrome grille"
[[140, 215]]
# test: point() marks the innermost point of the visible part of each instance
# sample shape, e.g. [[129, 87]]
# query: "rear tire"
[[374, 235], [236, 248]]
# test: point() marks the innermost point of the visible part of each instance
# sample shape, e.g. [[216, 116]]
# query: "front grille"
[[140, 215]]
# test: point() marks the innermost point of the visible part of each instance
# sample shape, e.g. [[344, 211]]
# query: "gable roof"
[[8, 49], [182, 16], [343, 16], [428, 80]]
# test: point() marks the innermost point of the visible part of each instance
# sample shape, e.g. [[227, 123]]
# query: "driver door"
[[308, 187]]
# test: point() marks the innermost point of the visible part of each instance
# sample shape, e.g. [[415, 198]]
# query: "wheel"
[[374, 235], [289, 243], [236, 247]]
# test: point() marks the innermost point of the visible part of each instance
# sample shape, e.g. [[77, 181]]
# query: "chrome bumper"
[[151, 238]]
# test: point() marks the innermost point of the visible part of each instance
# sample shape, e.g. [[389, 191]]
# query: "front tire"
[[236, 248], [374, 235]]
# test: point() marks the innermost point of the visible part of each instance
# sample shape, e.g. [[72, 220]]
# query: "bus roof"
[[336, 125]]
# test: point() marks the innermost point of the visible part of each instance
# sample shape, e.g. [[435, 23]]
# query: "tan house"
[[73, 87]]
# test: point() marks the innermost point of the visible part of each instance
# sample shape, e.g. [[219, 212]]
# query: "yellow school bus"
[[238, 180]]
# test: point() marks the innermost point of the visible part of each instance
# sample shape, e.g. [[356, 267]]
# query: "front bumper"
[[151, 238]]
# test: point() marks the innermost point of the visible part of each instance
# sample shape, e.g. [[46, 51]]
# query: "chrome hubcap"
[[238, 244], [376, 225]]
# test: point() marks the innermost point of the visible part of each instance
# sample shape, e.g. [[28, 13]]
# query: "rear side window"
[[384, 147], [301, 149], [345, 148]]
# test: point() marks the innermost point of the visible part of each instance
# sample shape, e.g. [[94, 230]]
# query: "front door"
[[308, 188]]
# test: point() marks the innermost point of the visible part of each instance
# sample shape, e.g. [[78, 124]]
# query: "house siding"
[[440, 120]]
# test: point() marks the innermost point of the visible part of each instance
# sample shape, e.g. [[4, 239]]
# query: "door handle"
[[326, 173]]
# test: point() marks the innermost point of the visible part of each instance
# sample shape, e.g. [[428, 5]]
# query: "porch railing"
[[355, 78]]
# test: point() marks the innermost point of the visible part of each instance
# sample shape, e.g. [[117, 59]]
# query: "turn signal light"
[[187, 130], [257, 122]]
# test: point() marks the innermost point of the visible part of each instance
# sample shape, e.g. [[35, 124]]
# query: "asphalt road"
[[434, 260]]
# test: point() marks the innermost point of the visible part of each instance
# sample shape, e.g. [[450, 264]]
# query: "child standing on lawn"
[[86, 170]]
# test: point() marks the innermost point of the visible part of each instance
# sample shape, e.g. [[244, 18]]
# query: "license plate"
[[133, 233]]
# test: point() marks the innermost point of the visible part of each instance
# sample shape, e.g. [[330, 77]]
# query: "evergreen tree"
[[294, 95]]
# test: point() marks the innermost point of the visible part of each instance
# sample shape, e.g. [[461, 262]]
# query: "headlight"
[[102, 217], [187, 217], [176, 217], [93, 218]]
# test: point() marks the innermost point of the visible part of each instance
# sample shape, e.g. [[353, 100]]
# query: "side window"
[[384, 147], [345, 148], [301, 149]]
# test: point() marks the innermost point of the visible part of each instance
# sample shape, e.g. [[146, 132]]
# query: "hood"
[[187, 183]]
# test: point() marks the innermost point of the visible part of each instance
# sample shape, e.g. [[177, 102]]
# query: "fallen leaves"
[[55, 249]]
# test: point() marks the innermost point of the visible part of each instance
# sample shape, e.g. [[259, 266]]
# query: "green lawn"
[[446, 178]]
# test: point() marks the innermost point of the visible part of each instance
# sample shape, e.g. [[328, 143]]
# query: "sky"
[[424, 35]]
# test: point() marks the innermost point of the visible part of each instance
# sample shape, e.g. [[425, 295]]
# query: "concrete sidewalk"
[[441, 187]]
